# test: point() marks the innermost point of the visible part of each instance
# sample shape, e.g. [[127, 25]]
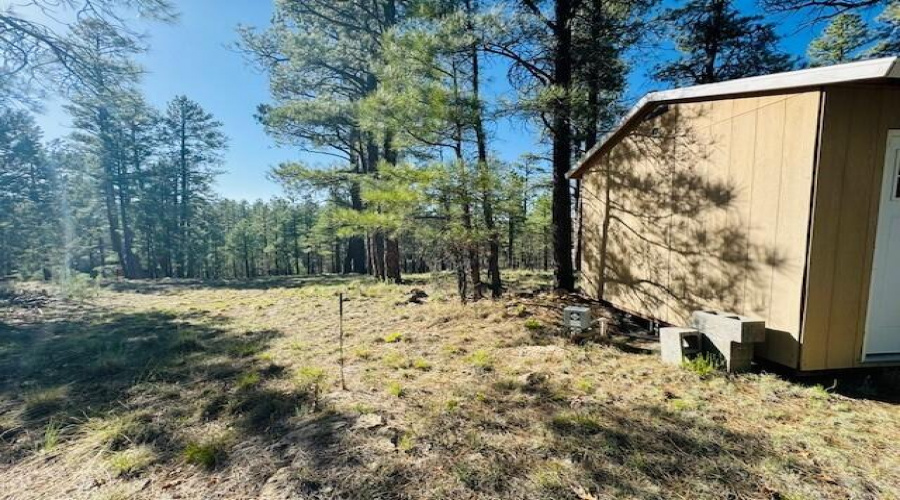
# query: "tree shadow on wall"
[[675, 234]]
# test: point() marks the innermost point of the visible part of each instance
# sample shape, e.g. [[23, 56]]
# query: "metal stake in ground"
[[341, 337]]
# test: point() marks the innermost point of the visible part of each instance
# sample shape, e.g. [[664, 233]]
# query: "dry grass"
[[232, 390]]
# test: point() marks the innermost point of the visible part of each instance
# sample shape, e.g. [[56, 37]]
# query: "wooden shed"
[[775, 196]]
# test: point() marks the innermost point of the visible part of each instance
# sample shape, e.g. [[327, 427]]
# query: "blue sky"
[[193, 57]]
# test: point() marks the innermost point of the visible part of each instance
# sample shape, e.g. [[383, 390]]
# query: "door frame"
[[894, 171]]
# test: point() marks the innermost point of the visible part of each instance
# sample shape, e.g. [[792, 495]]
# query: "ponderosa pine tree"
[[320, 57], [537, 39], [716, 42], [604, 31], [841, 41], [28, 228], [558, 52], [429, 100], [886, 34], [193, 142], [101, 101]]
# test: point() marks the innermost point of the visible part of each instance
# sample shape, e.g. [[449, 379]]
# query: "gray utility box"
[[678, 343], [577, 318], [731, 335]]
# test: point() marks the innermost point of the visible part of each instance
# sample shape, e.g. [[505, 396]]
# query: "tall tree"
[[840, 41], [536, 37], [27, 212], [563, 56], [886, 34], [97, 108], [194, 142], [320, 56], [717, 43]]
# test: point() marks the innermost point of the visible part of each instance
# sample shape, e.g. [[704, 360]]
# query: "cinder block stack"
[[728, 335], [678, 343], [731, 335]]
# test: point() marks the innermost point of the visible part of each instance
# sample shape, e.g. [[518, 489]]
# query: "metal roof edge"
[[886, 67]]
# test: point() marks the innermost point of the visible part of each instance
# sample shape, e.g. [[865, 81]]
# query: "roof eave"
[[873, 69]]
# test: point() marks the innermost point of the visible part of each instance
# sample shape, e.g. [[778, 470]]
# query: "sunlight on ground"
[[232, 390]]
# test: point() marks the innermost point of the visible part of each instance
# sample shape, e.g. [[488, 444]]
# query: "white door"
[[883, 321]]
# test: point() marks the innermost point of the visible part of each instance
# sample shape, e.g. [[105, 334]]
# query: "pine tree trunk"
[[356, 246], [392, 260], [185, 201], [378, 254], [562, 149], [112, 218], [461, 281], [487, 202], [130, 267], [471, 246]]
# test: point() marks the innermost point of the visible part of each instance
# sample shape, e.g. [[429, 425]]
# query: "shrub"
[[392, 338], [310, 380], [78, 286]]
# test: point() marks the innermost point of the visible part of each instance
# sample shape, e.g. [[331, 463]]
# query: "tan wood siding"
[[855, 123], [709, 207]]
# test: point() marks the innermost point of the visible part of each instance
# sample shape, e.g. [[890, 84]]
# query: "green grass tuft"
[[207, 454], [393, 337], [703, 365], [482, 360], [575, 423], [533, 324], [395, 389], [421, 364], [51, 437], [248, 380], [132, 460]]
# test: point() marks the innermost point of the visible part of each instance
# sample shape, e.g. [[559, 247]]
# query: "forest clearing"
[[383, 249], [180, 389]]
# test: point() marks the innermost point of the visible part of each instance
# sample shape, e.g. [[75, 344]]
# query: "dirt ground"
[[191, 390]]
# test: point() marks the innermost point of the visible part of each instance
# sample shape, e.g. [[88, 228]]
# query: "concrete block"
[[676, 343], [738, 356], [729, 327]]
